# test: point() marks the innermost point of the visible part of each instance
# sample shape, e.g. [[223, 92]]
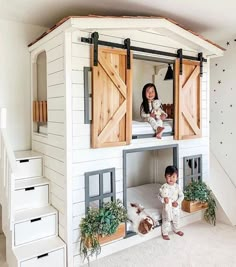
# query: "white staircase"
[[223, 188], [30, 223]]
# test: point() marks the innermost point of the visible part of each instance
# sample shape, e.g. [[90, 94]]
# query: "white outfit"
[[170, 214], [155, 107]]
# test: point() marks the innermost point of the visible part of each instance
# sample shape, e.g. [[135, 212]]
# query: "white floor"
[[202, 245]]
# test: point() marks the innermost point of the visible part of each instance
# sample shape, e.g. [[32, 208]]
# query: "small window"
[[192, 169], [99, 187]]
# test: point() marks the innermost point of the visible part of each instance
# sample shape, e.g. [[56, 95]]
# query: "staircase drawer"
[[55, 258], [32, 197], [35, 229], [28, 168]]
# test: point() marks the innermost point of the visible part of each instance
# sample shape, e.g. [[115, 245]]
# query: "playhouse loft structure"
[[83, 94]]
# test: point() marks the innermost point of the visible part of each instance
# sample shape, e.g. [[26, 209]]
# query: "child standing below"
[[171, 196], [151, 110]]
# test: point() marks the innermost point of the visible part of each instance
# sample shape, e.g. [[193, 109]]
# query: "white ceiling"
[[214, 20]]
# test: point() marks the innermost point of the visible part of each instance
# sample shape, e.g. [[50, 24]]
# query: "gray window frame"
[[86, 95], [193, 176], [101, 195]]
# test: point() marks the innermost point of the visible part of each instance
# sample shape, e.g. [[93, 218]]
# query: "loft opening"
[[143, 175], [112, 86], [40, 94], [160, 72]]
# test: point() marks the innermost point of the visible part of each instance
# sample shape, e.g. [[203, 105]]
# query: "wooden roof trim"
[[194, 33], [49, 30], [127, 17]]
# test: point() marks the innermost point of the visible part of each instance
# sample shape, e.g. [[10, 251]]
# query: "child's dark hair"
[[145, 101], [170, 170]]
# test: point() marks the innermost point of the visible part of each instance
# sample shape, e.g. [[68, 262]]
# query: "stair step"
[[31, 193], [39, 248], [30, 182], [30, 214], [35, 224], [29, 164], [27, 154]]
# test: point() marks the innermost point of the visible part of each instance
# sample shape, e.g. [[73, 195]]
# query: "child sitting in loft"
[[150, 109]]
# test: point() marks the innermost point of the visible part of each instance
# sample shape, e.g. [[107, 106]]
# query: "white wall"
[[15, 79], [223, 108], [143, 72], [150, 72], [164, 88], [41, 77], [140, 168]]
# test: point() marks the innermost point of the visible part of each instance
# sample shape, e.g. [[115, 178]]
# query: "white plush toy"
[[157, 110], [168, 206]]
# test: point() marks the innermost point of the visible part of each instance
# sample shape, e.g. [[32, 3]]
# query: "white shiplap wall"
[[85, 159], [53, 144]]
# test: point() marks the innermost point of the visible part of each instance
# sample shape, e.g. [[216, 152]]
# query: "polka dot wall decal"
[[231, 106], [219, 81], [215, 102], [221, 143], [228, 43], [223, 70], [215, 90], [216, 64], [222, 122]]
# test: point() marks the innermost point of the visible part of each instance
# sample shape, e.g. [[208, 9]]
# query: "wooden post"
[[45, 111], [40, 111], [37, 111]]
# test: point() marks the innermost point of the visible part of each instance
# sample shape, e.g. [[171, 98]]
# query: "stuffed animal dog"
[[142, 223]]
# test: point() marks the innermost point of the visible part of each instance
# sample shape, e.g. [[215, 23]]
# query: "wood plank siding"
[[86, 159], [53, 145], [67, 147]]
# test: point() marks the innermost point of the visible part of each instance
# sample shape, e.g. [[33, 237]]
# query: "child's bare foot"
[[159, 132], [165, 237], [180, 233]]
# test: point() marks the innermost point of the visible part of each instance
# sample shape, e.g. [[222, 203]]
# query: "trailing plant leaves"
[[199, 191], [100, 222]]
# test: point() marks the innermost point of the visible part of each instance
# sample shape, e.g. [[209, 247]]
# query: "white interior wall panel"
[[53, 144]]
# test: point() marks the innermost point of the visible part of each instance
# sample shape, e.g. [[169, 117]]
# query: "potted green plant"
[[197, 195], [100, 226]]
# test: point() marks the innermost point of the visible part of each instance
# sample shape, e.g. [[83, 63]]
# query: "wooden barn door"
[[187, 100], [112, 99]]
